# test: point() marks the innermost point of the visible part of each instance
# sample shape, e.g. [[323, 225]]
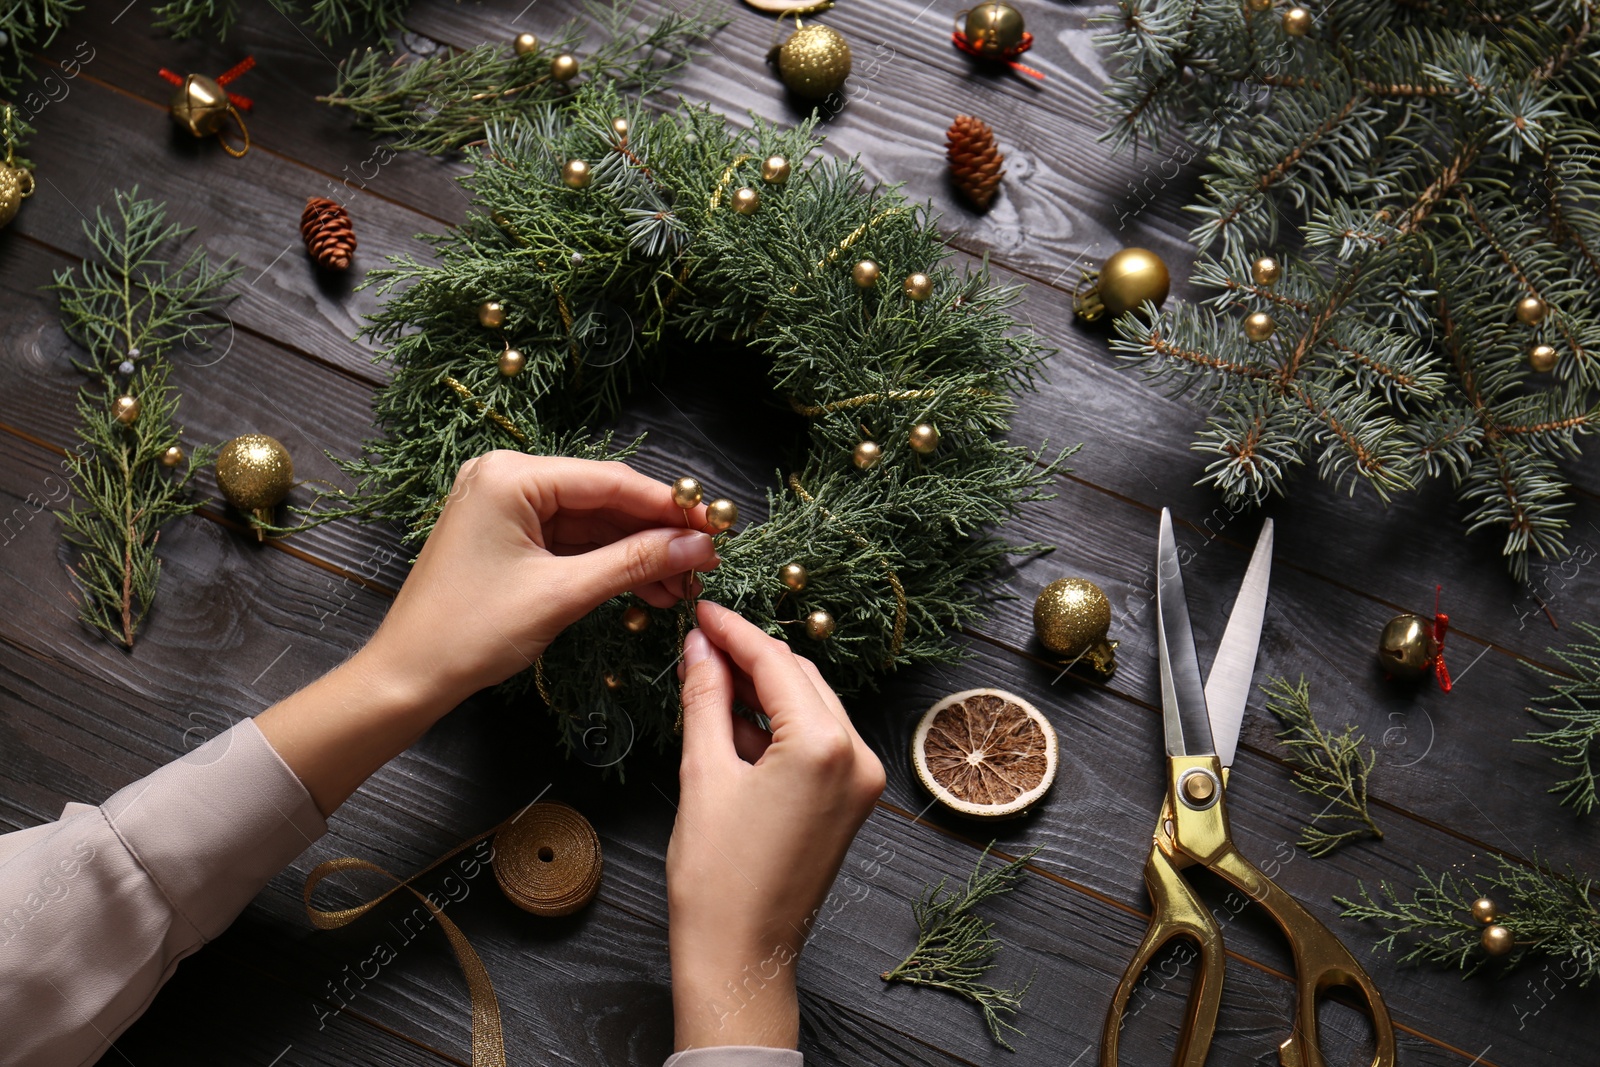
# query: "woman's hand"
[[763, 825]]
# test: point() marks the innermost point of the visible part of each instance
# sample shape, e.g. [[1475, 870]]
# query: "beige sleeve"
[[736, 1056]]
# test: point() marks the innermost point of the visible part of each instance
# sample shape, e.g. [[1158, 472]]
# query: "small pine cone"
[[975, 160], [325, 228]]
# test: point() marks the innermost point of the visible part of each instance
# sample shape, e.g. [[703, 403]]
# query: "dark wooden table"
[[239, 625]]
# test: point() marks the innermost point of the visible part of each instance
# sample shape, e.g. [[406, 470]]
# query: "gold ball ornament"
[[255, 473], [864, 274], [794, 576], [814, 62], [1297, 22], [687, 492], [635, 619], [1497, 940], [918, 286], [619, 126], [575, 174], [1258, 5], [994, 30], [1258, 326], [866, 455], [525, 44], [512, 361], [172, 456], [126, 409], [564, 68], [722, 514], [1071, 617], [16, 185], [924, 439], [1407, 647], [775, 170], [1126, 280], [1484, 910], [491, 314], [1542, 359], [746, 201], [1531, 310], [819, 625], [1266, 271]]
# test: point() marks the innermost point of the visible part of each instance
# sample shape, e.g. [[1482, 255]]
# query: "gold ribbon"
[[812, 411], [888, 571], [727, 176], [488, 412]]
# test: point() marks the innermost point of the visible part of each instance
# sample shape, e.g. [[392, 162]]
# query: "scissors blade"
[[1183, 697], [1228, 686]]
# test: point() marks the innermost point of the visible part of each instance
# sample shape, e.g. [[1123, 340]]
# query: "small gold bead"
[[512, 361], [635, 619], [613, 683], [576, 174], [865, 274], [1484, 910], [775, 170], [1497, 940], [126, 409], [564, 68], [819, 625], [1297, 22], [722, 514], [687, 493], [867, 455], [525, 44], [794, 576], [1258, 5], [919, 286], [924, 439], [1266, 271], [1531, 310], [1542, 358], [619, 126], [746, 200], [172, 457], [1258, 326], [491, 313]]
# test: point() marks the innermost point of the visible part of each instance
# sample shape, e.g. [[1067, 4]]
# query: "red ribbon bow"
[[243, 103], [1441, 623], [959, 39]]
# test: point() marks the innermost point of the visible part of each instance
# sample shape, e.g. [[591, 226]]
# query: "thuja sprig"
[[1572, 709], [1547, 913], [129, 304], [956, 948], [25, 28], [327, 18], [1331, 767]]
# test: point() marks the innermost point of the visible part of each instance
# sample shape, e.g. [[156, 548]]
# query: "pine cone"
[[975, 160], [325, 228]]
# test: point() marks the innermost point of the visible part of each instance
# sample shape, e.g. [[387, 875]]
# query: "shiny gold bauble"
[[1266, 271], [1484, 910], [1071, 618], [126, 409], [1258, 5], [1407, 648], [814, 62], [687, 492], [16, 185], [491, 313], [1531, 310], [512, 361], [564, 68], [994, 30], [635, 619], [575, 174], [918, 286], [525, 44], [746, 200], [1258, 326], [255, 473], [924, 439], [819, 625], [1297, 22], [619, 126], [864, 274], [793, 576], [722, 514], [172, 456], [1497, 940], [775, 170], [1126, 280], [1542, 358], [200, 105], [866, 455]]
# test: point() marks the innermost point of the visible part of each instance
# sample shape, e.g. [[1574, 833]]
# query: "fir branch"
[[26, 26], [328, 19], [129, 304], [1549, 915], [955, 948], [1572, 709], [1330, 767]]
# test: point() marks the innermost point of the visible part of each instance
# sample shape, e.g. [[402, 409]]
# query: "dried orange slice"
[[985, 753]]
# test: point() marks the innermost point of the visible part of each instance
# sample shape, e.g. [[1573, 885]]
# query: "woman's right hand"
[[763, 825]]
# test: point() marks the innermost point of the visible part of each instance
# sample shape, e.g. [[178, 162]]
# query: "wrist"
[[751, 1000], [406, 686]]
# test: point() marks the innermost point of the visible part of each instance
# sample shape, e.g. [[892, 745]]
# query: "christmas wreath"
[[592, 215]]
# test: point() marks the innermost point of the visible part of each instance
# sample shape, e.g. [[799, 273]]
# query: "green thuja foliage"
[[1419, 169], [25, 27], [326, 18], [1571, 713]]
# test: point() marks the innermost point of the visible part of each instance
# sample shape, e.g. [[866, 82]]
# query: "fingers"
[[581, 485], [782, 686], [707, 703], [635, 562]]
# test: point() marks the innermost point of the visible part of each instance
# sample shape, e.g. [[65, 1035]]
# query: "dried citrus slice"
[[985, 753]]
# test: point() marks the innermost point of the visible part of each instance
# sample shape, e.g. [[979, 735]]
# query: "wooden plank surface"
[[240, 625]]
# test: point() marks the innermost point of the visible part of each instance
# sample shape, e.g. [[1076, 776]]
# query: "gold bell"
[[202, 107], [994, 30]]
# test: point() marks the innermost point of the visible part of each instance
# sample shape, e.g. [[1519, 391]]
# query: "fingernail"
[[696, 649], [688, 549]]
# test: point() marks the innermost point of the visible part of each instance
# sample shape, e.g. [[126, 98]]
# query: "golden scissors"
[[1202, 732]]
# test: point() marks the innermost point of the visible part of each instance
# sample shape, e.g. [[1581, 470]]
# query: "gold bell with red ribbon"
[[203, 105]]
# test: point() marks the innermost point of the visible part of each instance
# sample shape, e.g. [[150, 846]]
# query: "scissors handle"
[[1322, 964], [1175, 912]]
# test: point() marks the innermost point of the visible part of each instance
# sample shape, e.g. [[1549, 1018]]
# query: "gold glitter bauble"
[[491, 313], [746, 200], [864, 274], [793, 576], [1266, 271], [819, 625], [512, 361], [687, 492], [814, 62], [1258, 326], [575, 174], [255, 473], [924, 439], [1542, 358], [16, 185], [994, 30], [1497, 940], [1297, 22], [564, 68], [1407, 648], [1484, 910], [775, 170], [866, 455], [722, 514], [525, 44], [172, 456], [918, 286], [1531, 310], [1071, 618], [635, 619], [125, 409], [1127, 279]]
